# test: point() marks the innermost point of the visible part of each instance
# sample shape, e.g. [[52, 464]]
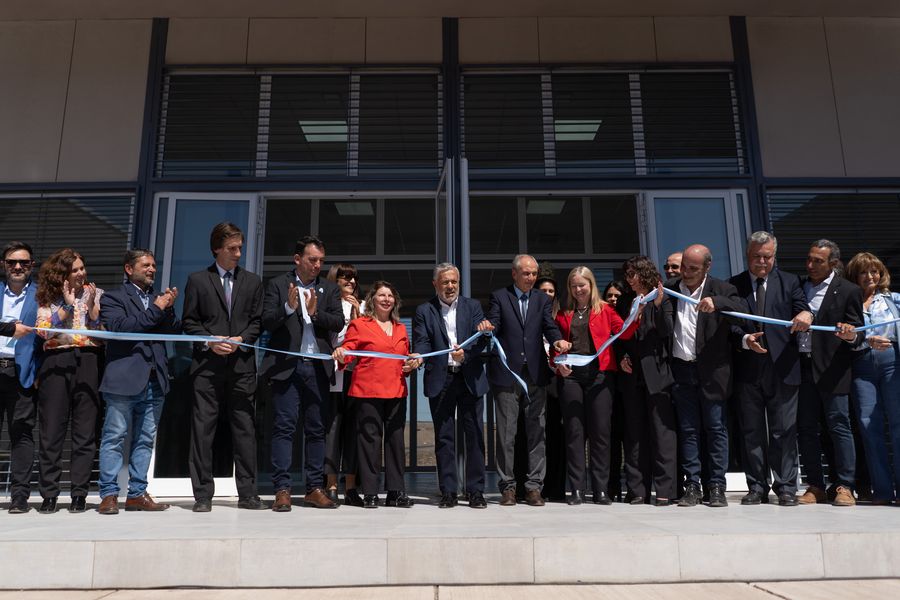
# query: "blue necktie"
[[226, 283], [523, 305]]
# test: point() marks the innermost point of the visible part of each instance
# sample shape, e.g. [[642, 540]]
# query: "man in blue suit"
[[453, 382], [767, 372], [135, 382], [520, 319], [19, 350]]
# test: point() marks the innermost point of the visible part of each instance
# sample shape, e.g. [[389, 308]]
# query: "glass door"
[[181, 226]]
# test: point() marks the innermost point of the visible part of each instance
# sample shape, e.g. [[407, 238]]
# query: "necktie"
[[523, 305], [226, 283], [760, 302]]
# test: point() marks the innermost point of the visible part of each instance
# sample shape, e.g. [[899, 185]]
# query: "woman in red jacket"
[[585, 393], [379, 390]]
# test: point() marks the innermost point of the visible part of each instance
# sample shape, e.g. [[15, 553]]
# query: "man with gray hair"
[[454, 383], [767, 372]]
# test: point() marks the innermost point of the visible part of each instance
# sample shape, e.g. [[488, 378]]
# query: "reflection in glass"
[[554, 225], [681, 222], [409, 226], [347, 226], [494, 225], [614, 225]]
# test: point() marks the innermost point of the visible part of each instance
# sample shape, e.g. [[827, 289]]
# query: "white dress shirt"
[[814, 296], [685, 344], [448, 312], [12, 311], [308, 343]]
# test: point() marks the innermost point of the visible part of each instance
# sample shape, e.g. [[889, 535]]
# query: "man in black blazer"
[[767, 372], [825, 360], [224, 300], [520, 319], [135, 381], [701, 367], [455, 382], [303, 312]]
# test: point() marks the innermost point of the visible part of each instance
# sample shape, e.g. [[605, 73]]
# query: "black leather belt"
[[453, 370], [6, 363]]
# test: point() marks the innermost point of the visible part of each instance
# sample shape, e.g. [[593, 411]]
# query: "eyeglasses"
[[672, 267], [11, 264]]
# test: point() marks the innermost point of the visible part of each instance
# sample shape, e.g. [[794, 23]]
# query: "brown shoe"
[[282, 501], [145, 502], [109, 505], [812, 495], [317, 499], [534, 498], [508, 497], [843, 497]]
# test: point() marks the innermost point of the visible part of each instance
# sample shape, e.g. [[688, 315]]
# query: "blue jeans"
[[698, 415], [139, 413], [876, 388]]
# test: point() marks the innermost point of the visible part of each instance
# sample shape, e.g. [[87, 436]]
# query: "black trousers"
[[651, 442], [586, 402], [616, 439], [456, 398], [68, 393], [381, 421], [233, 393], [18, 409], [774, 447], [340, 432]]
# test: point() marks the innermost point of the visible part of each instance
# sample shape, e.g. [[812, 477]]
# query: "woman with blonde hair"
[[584, 392], [876, 375]]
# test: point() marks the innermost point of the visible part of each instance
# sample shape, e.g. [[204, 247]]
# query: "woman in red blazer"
[[379, 390], [585, 393]]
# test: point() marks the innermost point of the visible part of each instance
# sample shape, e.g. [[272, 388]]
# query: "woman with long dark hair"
[[69, 375]]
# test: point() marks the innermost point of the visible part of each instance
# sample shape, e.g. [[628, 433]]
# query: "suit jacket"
[[649, 348], [832, 356], [713, 341], [205, 314], [129, 364], [430, 334], [602, 326], [28, 349], [287, 330], [521, 341], [784, 300], [376, 377]]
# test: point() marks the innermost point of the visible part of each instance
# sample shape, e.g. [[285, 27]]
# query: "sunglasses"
[[11, 264], [672, 267]]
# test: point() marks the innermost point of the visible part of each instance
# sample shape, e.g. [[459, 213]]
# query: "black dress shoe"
[[634, 499], [19, 505], [398, 499], [48, 506], [602, 498], [331, 494], [202, 505], [752, 498], [476, 500], [691, 496], [787, 499], [448, 501], [717, 497], [575, 498], [251, 503], [370, 501], [78, 504], [352, 498]]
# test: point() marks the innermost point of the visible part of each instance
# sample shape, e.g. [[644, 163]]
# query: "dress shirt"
[[308, 342], [879, 312], [814, 296], [685, 344], [12, 311], [448, 312], [144, 296], [753, 285]]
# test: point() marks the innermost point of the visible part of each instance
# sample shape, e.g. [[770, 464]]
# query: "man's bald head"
[[695, 263]]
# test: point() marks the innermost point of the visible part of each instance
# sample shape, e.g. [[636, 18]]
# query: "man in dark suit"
[[520, 318], [455, 382], [825, 360], [701, 367], [767, 372], [303, 312], [135, 381], [19, 352], [225, 301]]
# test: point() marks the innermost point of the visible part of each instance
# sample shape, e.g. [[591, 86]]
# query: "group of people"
[[673, 369]]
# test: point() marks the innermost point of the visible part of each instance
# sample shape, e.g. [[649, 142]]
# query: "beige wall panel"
[[34, 71], [404, 41], [611, 39], [105, 107], [501, 40], [865, 66], [307, 41], [798, 126], [693, 39], [207, 41]]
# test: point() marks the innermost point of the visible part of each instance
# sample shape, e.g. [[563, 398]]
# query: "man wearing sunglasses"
[[18, 353]]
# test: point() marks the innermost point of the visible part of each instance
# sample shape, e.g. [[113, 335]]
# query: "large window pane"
[[554, 225], [287, 220], [308, 128], [398, 124], [503, 123], [494, 225], [348, 226], [614, 225], [409, 226], [689, 123], [209, 126], [592, 124]]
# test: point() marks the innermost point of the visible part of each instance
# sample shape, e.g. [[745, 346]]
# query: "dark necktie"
[[226, 283], [523, 305], [760, 300]]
